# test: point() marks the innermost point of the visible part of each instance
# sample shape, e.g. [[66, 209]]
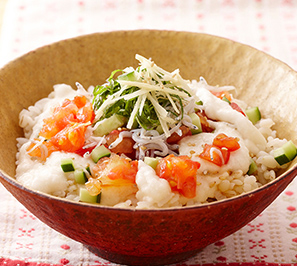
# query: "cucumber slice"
[[252, 168], [109, 124], [80, 176], [89, 169], [160, 129], [85, 196], [128, 76], [67, 165], [286, 153], [99, 152], [152, 162], [226, 99], [253, 114], [196, 122]]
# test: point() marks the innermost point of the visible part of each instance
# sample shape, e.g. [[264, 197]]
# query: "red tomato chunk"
[[219, 152], [65, 128], [180, 172]]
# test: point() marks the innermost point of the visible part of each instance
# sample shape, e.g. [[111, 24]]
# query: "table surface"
[[270, 26]]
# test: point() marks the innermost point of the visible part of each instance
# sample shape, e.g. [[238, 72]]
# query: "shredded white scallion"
[[134, 113], [152, 87]]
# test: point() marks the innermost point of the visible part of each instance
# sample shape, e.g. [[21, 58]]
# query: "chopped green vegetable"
[[80, 176], [253, 114], [252, 168], [85, 196], [148, 95], [226, 99], [109, 124], [196, 122], [102, 92], [159, 129], [99, 152], [151, 161], [128, 76], [286, 153], [89, 169], [67, 165]]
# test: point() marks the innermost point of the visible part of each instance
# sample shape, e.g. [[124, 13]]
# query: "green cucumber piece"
[[152, 162], [253, 114], [226, 99], [85, 196], [80, 176], [286, 153], [89, 169], [160, 129], [99, 152], [67, 165], [128, 76], [109, 124], [198, 103], [252, 168], [196, 122]]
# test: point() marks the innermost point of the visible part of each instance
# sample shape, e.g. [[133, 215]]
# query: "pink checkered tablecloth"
[[268, 25]]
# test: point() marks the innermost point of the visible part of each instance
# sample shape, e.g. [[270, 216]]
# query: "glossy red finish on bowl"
[[145, 237]]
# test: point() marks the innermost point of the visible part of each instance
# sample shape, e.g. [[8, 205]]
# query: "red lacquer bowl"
[[146, 237]]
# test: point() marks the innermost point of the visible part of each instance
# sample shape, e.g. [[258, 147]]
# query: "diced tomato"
[[180, 172], [222, 94], [78, 110], [112, 171], [222, 140], [219, 152], [175, 138], [226, 155], [82, 151], [115, 170], [236, 107], [60, 118], [65, 128], [80, 101], [214, 154], [71, 138], [124, 169], [85, 113], [125, 146]]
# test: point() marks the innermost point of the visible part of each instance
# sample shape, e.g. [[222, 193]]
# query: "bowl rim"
[[155, 31], [12, 181]]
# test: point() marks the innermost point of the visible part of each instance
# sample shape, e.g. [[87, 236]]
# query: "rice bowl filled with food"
[[147, 138]]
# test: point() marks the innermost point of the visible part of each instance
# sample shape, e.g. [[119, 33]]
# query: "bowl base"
[[141, 260]]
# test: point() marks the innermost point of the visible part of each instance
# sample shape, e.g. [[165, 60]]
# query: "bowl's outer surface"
[[160, 236]]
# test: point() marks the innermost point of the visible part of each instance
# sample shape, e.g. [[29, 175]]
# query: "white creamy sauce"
[[217, 109], [193, 146], [147, 181], [48, 176]]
